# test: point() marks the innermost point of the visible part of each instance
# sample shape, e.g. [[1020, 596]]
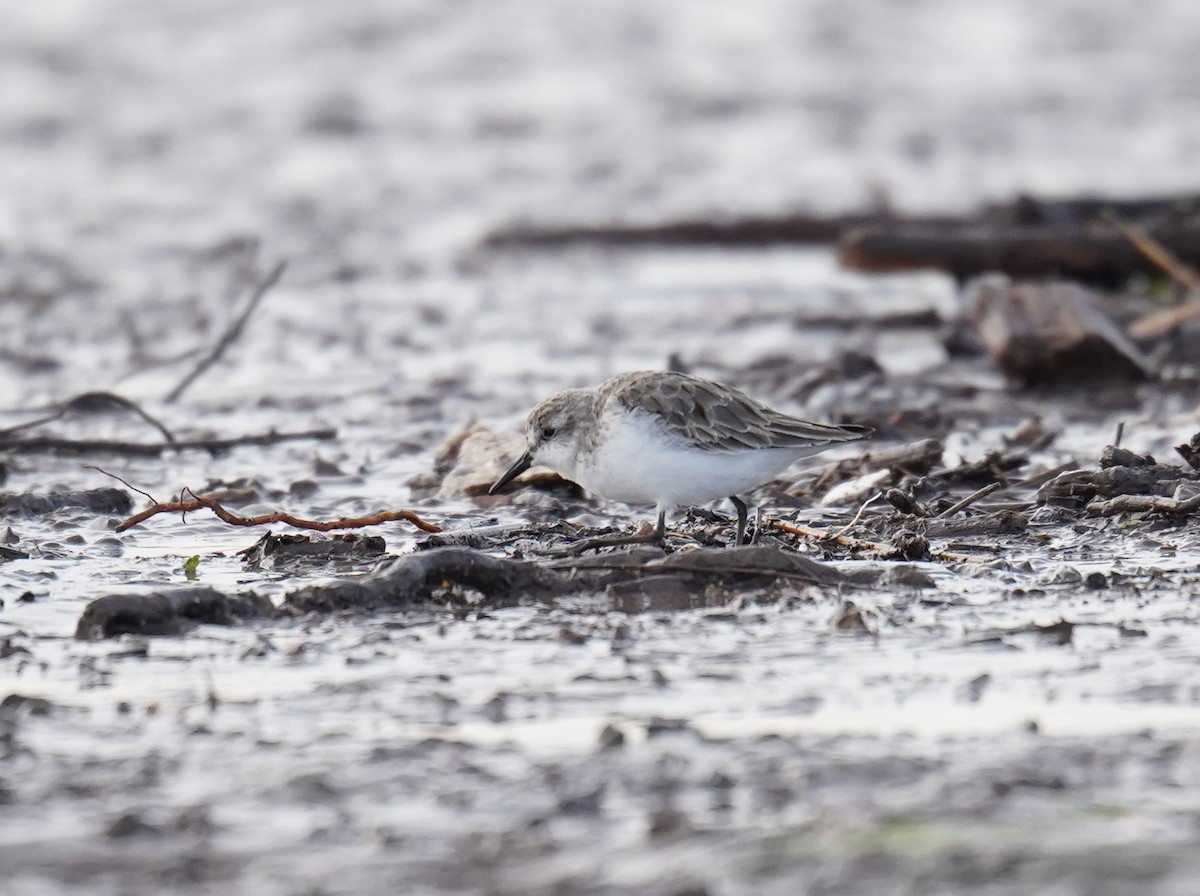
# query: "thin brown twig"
[[971, 499], [1177, 270], [1158, 322], [122, 481], [850, 525], [153, 449], [232, 332], [196, 502], [855, 544]]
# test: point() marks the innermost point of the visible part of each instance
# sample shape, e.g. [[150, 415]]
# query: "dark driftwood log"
[[1052, 334], [946, 236], [748, 561], [753, 231], [412, 579], [1100, 256]]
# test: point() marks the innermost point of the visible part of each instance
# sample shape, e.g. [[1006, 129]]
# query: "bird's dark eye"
[[548, 432]]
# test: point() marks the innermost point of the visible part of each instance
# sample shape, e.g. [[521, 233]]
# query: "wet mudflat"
[[998, 695]]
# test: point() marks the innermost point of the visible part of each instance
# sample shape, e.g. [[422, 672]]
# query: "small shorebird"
[[667, 439]]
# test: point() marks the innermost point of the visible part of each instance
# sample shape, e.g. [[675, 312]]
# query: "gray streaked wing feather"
[[715, 417]]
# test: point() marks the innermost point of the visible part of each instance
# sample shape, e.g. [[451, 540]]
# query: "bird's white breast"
[[637, 462]]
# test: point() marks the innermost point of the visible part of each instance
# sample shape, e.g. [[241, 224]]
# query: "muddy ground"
[[1007, 707]]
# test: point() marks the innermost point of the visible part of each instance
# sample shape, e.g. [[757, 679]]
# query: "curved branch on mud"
[[91, 402], [197, 502]]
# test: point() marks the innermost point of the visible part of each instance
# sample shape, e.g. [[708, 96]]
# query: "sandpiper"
[[667, 439]]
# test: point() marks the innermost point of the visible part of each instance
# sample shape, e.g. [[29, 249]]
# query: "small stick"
[[1158, 322], [1144, 504], [817, 535], [1177, 270], [153, 500], [971, 499], [1120, 434], [854, 522], [196, 502], [231, 333]]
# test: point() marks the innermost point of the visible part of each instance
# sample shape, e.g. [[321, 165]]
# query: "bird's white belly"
[[637, 464]]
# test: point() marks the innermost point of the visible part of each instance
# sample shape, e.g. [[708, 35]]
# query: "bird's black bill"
[[524, 462]]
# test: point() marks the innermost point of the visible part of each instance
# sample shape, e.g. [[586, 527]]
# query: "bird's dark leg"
[[743, 513], [644, 535]]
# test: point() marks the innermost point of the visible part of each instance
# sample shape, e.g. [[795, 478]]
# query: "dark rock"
[[1060, 633], [891, 574], [658, 726], [131, 825], [1191, 451], [302, 489], [290, 551], [611, 738], [18, 704], [167, 612], [589, 803], [96, 500], [667, 822], [910, 545], [849, 618], [904, 502], [413, 579], [1112, 456], [1048, 334], [570, 636], [976, 686], [8, 648]]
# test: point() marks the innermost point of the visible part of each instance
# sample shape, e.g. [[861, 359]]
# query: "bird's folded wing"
[[714, 417]]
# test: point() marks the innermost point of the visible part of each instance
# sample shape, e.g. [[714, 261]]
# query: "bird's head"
[[553, 432]]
